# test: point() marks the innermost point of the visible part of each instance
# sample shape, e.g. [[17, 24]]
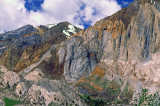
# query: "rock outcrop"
[[114, 60], [40, 91], [26, 45]]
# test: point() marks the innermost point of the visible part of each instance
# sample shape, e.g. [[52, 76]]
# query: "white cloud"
[[125, 3], [10, 12], [102, 8], [13, 14]]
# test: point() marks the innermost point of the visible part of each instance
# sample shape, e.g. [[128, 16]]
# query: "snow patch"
[[66, 33], [71, 29], [50, 25], [2, 48]]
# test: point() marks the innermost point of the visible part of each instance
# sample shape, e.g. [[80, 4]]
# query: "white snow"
[[66, 33], [2, 47], [50, 25], [71, 29]]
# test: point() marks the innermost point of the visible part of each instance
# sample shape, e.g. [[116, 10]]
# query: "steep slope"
[[129, 61], [34, 89], [113, 60], [25, 46], [30, 52], [135, 40]]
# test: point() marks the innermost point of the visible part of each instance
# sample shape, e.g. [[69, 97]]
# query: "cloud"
[[98, 9], [13, 13], [10, 13], [125, 3]]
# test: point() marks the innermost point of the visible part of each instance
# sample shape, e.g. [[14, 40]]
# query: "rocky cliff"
[[114, 60]]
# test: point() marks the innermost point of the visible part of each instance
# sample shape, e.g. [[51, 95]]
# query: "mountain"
[[116, 61]]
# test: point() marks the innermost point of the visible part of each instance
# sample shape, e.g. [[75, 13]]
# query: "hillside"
[[115, 61]]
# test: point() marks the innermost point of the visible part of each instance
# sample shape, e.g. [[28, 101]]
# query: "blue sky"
[[36, 4], [124, 3], [81, 13]]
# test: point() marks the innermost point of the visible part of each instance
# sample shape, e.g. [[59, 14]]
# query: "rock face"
[[30, 52], [41, 91], [127, 78], [26, 45], [115, 59], [21, 88], [113, 38], [46, 92], [10, 79], [129, 54]]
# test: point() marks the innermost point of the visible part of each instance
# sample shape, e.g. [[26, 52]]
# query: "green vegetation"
[[53, 104], [126, 95], [11, 102], [93, 101], [148, 100], [1, 72], [109, 96], [145, 99], [100, 82], [2, 89]]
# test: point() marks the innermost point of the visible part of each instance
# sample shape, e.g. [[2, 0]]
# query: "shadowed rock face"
[[114, 59], [26, 45]]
